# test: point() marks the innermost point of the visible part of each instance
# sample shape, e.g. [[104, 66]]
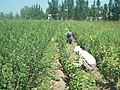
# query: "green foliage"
[[101, 40], [81, 10], [33, 12], [69, 9], [77, 78], [24, 55], [26, 52], [53, 8]]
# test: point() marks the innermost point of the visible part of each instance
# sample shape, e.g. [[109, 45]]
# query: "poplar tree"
[[53, 8]]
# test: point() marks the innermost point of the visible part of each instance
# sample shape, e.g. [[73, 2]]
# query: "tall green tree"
[[9, 15], [70, 6], [1, 15], [98, 3], [98, 8], [62, 11], [17, 16], [34, 12], [80, 10], [110, 6], [87, 9], [66, 9], [93, 9], [105, 11], [77, 10], [53, 8], [116, 10]]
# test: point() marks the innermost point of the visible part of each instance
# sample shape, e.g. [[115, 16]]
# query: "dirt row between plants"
[[58, 83]]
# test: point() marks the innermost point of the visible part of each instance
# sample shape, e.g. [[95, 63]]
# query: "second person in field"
[[85, 58], [69, 37]]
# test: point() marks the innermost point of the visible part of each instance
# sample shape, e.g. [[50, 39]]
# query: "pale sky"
[[15, 6]]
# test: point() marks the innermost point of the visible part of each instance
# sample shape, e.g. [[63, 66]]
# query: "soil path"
[[58, 83]]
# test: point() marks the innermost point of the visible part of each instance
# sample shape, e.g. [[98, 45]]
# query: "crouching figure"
[[86, 59]]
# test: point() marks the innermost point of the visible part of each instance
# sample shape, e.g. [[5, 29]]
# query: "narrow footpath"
[[58, 83]]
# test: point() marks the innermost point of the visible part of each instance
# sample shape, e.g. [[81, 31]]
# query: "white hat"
[[77, 48]]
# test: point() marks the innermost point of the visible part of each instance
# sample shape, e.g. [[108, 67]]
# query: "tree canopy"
[[69, 10]]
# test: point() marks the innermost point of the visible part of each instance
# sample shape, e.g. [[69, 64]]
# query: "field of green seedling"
[[27, 51], [102, 40]]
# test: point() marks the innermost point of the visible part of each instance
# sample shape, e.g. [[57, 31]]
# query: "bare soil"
[[58, 83]]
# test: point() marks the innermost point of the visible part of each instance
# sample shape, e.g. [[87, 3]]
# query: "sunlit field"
[[27, 51]]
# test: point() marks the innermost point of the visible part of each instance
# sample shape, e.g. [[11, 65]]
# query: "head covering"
[[77, 48]]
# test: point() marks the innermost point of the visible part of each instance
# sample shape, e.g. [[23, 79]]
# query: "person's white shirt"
[[86, 55]]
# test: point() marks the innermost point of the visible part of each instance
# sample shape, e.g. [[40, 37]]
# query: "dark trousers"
[[69, 41]]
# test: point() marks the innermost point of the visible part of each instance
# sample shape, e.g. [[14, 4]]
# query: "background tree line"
[[69, 9]]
